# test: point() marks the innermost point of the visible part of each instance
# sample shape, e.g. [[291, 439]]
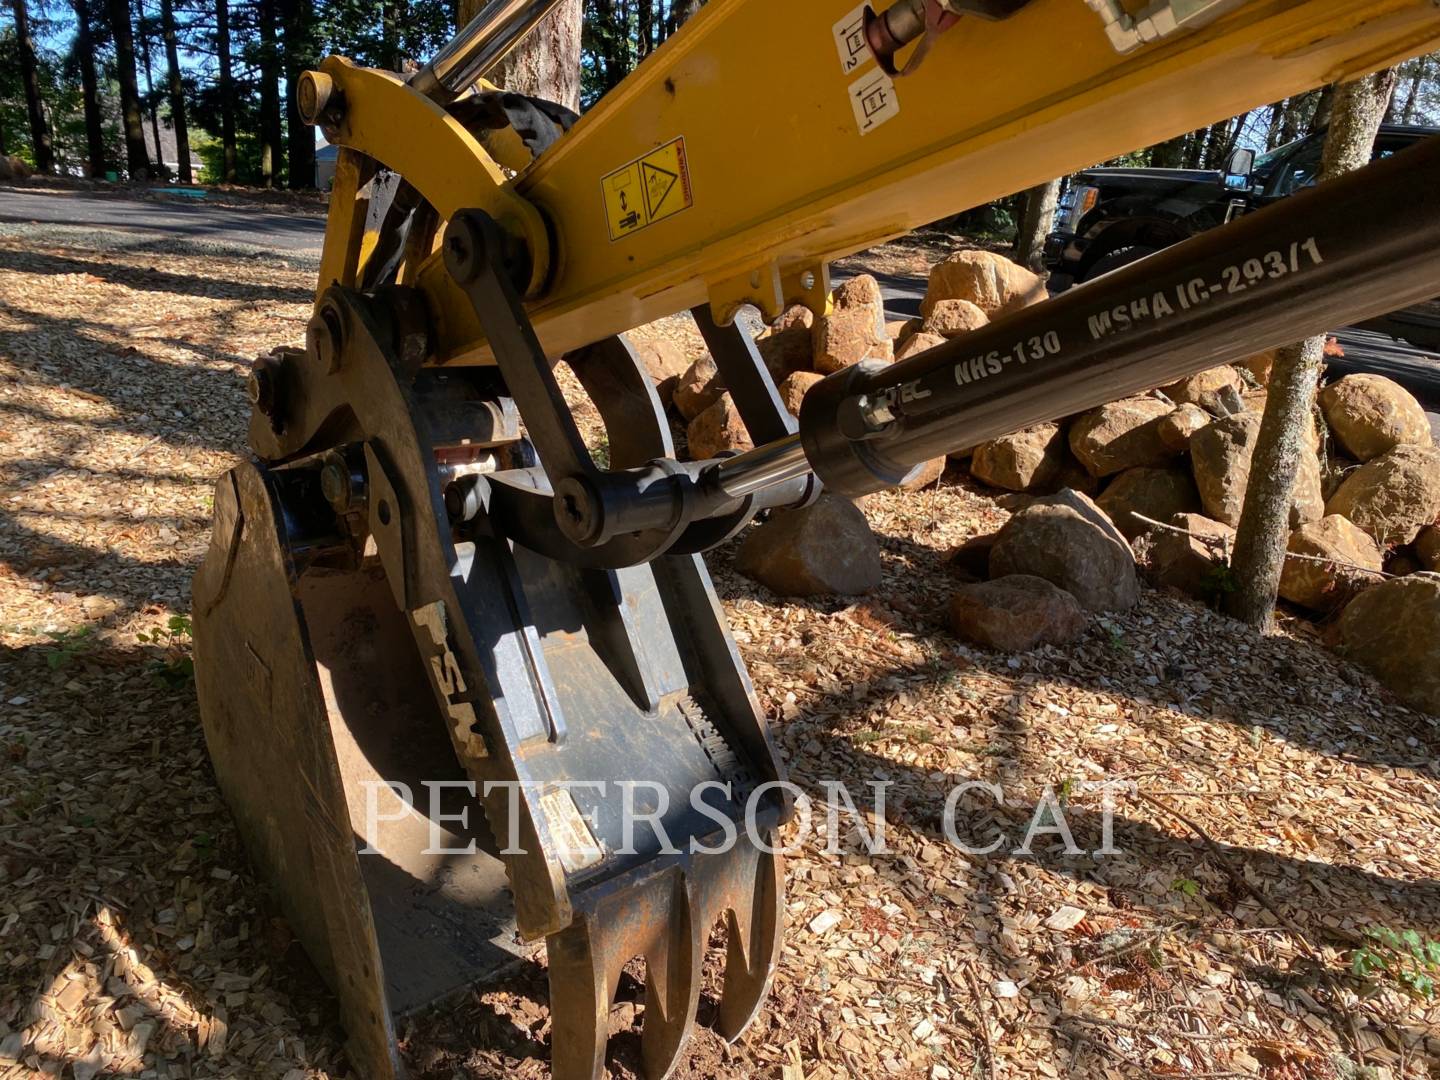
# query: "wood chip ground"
[[134, 941]]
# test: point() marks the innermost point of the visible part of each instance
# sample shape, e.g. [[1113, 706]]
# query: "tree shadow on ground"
[[150, 279]]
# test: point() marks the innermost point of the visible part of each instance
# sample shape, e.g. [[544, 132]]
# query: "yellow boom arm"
[[766, 158]]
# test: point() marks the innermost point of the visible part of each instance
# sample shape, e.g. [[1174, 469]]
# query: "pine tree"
[[41, 143]]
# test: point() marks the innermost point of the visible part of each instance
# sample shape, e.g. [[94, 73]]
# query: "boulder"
[[951, 318], [1158, 494], [1212, 389], [1024, 460], [717, 429], [1067, 540], [824, 549], [793, 387], [1220, 456], [970, 559], [1333, 471], [1121, 435], [1393, 496], [918, 343], [854, 328], [991, 282], [1176, 429], [1427, 547], [1324, 586], [699, 388], [786, 351], [897, 330], [13, 168], [664, 362], [1394, 630], [1073, 475], [1402, 563], [1259, 366], [1371, 414], [926, 474], [1191, 561], [1015, 613]]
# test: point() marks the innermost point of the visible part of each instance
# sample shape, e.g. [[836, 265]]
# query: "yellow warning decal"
[[649, 189]]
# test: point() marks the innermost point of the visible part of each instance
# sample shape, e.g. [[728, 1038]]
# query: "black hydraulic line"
[[1354, 248]]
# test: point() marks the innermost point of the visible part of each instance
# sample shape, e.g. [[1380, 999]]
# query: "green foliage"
[[1403, 957], [1217, 583], [1186, 886], [176, 668], [68, 645]]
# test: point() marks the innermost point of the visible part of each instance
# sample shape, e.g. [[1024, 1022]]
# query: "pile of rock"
[[1153, 483]]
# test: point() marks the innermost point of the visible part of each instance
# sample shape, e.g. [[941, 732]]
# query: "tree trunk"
[[177, 90], [270, 152], [41, 144], [390, 15], [1264, 530], [1324, 105], [89, 91], [1412, 93], [300, 49], [547, 63], [137, 158], [1169, 154], [150, 92], [230, 167], [1040, 203]]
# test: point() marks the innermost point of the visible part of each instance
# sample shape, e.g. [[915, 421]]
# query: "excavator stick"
[[467, 690]]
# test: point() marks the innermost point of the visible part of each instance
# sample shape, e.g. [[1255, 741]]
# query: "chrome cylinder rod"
[[765, 466], [483, 43]]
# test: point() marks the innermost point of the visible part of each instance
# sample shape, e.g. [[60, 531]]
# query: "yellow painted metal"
[[783, 181], [384, 119], [344, 227]]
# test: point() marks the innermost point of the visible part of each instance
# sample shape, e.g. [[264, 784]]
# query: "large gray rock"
[[1191, 559], [854, 329], [1121, 435], [1371, 415], [1157, 494], [1025, 460], [822, 550], [1220, 456], [991, 282], [1015, 613], [1393, 496], [1067, 540], [1394, 630], [1324, 586]]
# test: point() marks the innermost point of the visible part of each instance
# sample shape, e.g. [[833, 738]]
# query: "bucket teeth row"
[[666, 920]]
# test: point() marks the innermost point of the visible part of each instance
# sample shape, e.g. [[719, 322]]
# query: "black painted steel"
[[1352, 249]]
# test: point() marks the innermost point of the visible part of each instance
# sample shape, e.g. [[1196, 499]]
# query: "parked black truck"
[[1111, 217]]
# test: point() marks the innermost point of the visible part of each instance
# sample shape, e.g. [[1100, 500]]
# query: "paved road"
[[179, 217]]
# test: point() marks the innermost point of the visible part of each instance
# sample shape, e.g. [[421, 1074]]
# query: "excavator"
[[436, 640]]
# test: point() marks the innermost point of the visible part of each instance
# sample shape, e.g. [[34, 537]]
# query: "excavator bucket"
[[440, 744]]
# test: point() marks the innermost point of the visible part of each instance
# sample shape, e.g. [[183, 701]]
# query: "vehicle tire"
[[1123, 256]]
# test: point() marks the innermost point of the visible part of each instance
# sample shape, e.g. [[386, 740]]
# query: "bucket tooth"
[[756, 924], [581, 989], [672, 986]]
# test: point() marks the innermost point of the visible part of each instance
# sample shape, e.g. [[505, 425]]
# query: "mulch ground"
[[1281, 810]]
